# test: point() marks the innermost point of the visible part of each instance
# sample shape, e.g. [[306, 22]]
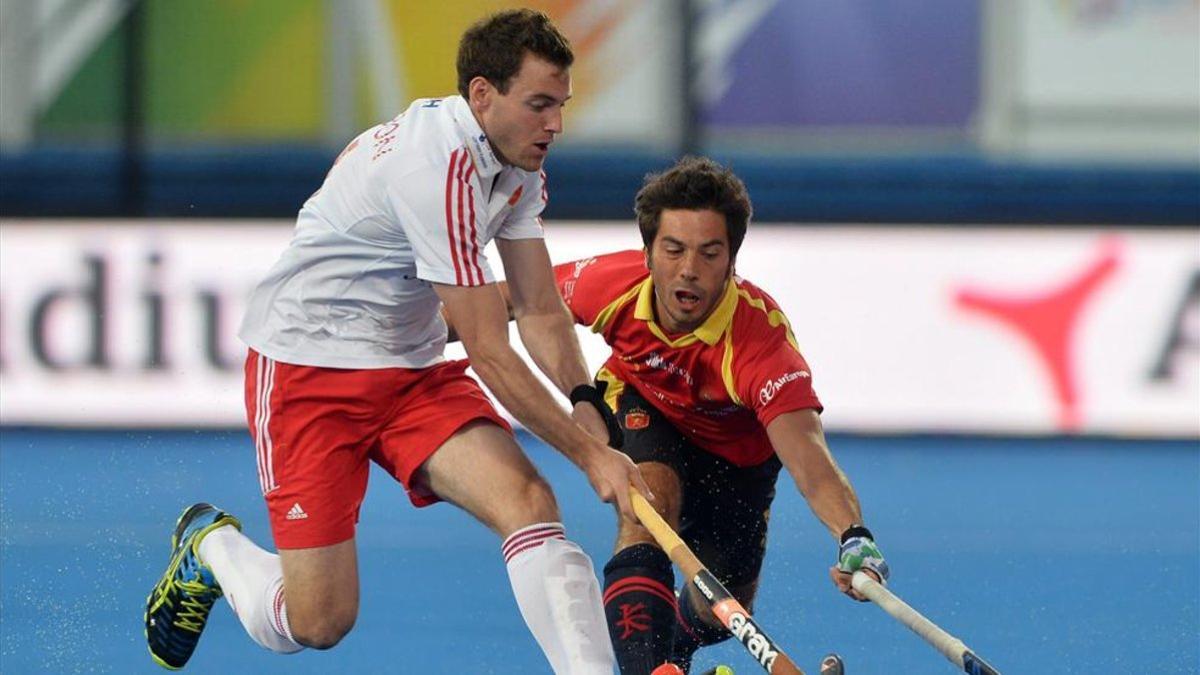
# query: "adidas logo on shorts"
[[296, 513]]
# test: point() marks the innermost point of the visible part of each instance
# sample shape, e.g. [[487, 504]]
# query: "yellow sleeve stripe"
[[606, 314], [727, 368], [775, 318]]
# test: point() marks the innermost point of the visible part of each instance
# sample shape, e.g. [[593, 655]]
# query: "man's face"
[[689, 263], [523, 123]]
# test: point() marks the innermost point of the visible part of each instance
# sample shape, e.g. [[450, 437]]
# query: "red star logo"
[[1048, 322]]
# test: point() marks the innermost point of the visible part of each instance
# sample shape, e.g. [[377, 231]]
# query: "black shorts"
[[725, 507]]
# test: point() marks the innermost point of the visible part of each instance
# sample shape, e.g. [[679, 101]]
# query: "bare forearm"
[[518, 390], [551, 342], [479, 316], [829, 495], [800, 443]]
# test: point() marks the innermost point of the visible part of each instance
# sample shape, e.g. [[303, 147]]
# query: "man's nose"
[[688, 266], [554, 120]]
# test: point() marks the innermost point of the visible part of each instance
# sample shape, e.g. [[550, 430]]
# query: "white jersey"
[[408, 202]]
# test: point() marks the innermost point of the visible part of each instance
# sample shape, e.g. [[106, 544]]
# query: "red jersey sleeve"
[[771, 376], [590, 285]]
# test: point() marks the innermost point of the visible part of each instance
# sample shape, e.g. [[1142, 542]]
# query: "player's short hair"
[[495, 46], [695, 184]]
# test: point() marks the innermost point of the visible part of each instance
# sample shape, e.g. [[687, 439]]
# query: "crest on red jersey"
[[637, 419]]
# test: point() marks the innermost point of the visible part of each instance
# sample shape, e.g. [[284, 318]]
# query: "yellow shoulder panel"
[[775, 318], [606, 314]]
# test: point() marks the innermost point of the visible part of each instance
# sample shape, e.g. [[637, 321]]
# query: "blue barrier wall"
[[952, 188]]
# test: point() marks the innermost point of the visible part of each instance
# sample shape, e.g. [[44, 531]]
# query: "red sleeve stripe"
[[454, 157], [463, 244], [473, 261], [460, 210]]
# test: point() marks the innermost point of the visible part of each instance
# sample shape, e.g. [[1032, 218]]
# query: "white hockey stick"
[[950, 646]]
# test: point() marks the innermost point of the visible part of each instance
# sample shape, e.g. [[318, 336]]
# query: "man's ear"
[[480, 91], [646, 252]]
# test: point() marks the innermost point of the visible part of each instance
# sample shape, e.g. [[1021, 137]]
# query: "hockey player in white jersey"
[[345, 367]]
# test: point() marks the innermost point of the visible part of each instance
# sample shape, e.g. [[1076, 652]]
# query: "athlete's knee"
[[631, 531], [667, 487], [535, 501], [323, 630], [322, 624]]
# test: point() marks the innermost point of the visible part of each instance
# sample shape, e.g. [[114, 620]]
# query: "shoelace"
[[197, 601]]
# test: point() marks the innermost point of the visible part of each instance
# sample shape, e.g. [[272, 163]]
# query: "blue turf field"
[[1047, 556]]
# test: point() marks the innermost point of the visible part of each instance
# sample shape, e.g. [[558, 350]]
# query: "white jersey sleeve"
[[525, 221]]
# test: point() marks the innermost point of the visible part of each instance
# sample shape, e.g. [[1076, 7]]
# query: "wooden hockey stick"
[[950, 646], [723, 604]]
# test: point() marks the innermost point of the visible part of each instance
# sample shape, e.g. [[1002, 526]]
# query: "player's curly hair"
[[495, 46], [694, 183]]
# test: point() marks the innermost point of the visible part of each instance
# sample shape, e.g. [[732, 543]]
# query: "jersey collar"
[[486, 162], [708, 332]]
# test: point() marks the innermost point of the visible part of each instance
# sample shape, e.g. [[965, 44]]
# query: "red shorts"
[[315, 428]]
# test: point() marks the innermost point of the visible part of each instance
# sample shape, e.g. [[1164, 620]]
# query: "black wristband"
[[856, 530], [587, 393]]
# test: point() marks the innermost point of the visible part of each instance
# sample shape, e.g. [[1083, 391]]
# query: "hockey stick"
[[723, 604], [950, 646]]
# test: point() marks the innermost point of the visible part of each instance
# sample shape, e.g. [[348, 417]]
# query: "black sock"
[[640, 607], [692, 633]]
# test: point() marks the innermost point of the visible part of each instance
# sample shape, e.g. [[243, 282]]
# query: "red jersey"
[[720, 385]]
